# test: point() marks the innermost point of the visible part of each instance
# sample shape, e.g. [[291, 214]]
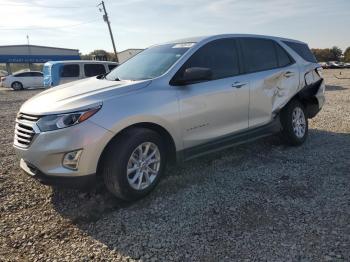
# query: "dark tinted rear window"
[[220, 56], [302, 50], [282, 56], [259, 54], [70, 70], [94, 69], [111, 67], [36, 74]]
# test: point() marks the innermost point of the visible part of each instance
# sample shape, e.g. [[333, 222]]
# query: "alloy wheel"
[[143, 166], [298, 122]]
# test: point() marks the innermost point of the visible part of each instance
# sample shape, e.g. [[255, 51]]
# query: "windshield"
[[150, 63]]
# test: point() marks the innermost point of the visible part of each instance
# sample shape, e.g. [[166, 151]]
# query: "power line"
[[47, 6], [47, 28]]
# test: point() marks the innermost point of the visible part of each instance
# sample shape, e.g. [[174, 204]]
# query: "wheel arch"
[[165, 134], [307, 96]]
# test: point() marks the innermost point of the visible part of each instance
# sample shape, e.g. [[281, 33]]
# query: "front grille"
[[24, 130]]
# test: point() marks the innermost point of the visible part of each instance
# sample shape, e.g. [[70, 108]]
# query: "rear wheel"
[[17, 85], [294, 123], [133, 163]]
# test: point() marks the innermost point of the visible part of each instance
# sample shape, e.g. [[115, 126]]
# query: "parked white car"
[[23, 80]]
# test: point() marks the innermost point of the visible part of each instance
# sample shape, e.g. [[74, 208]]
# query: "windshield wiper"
[[101, 76]]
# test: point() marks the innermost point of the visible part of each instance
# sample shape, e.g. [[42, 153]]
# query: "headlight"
[[53, 122]]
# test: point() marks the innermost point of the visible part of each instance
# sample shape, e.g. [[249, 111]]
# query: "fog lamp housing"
[[71, 159]]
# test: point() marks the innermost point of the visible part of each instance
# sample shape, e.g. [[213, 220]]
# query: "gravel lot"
[[259, 201]]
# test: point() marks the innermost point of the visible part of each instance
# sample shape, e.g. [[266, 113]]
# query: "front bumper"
[[43, 158], [87, 181]]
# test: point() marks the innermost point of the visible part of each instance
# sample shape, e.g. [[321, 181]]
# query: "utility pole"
[[29, 53], [106, 19]]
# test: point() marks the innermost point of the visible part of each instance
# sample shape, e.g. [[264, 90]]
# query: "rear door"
[[274, 77], [25, 79], [37, 79], [216, 108]]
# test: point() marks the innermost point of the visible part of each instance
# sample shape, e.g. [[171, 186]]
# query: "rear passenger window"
[[94, 69], [111, 67], [259, 54], [70, 70], [282, 56], [36, 74], [219, 55], [302, 50]]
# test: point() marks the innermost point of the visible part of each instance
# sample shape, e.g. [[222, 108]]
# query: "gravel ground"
[[259, 201]]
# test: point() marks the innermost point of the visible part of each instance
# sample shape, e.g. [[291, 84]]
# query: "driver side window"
[[221, 56]]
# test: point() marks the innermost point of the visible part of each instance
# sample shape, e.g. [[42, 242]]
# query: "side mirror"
[[194, 75]]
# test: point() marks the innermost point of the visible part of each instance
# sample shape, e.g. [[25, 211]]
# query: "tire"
[[17, 86], [294, 122], [116, 160]]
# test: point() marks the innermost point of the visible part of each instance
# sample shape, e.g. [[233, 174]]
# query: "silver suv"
[[173, 101]]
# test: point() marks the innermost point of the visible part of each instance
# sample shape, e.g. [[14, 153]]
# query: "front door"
[[215, 108]]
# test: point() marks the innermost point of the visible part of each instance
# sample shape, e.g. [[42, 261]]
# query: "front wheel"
[[294, 123], [133, 163]]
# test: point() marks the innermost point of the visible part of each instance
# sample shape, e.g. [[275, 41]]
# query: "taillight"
[[3, 78]]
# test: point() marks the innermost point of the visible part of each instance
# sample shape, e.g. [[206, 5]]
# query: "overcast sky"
[[78, 24]]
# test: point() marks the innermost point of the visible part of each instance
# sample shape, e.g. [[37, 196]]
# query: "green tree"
[[336, 53], [101, 54], [322, 55], [347, 55]]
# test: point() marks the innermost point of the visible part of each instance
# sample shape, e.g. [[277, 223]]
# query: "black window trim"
[[239, 56], [245, 71]]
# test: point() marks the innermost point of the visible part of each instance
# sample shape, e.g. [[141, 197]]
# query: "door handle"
[[288, 74], [238, 84]]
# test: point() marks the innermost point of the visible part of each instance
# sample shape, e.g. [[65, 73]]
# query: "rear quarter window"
[[303, 50], [70, 70], [94, 69]]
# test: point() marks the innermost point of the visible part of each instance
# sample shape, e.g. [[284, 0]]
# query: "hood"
[[78, 95]]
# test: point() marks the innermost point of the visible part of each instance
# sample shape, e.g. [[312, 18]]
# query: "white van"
[[61, 72]]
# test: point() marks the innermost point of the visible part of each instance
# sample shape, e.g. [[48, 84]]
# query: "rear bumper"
[[81, 182], [312, 92]]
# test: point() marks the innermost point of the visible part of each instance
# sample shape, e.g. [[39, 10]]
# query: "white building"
[[127, 54], [35, 54]]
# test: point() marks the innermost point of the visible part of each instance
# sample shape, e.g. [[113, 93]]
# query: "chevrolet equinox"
[[171, 102]]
